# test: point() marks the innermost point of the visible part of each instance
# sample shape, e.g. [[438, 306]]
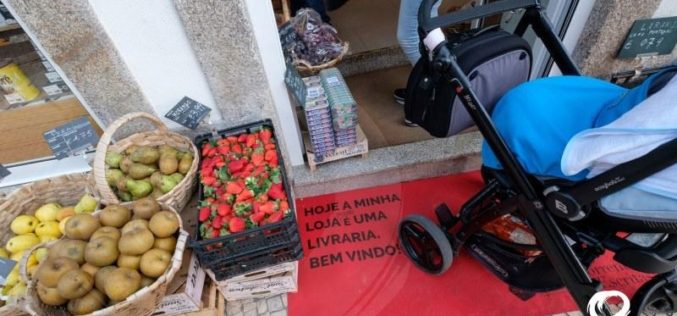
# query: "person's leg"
[[318, 5], [407, 37], [407, 28]]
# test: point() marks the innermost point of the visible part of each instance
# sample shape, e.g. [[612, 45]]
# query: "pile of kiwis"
[[106, 257]]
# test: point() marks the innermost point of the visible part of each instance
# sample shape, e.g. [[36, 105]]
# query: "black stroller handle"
[[427, 23]]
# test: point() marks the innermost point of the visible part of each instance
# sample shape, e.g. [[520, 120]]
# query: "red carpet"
[[352, 266]]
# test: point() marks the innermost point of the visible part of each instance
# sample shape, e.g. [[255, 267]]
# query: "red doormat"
[[352, 264]]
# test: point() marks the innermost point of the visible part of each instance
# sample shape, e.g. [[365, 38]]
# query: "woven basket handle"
[[23, 263], [99, 169]]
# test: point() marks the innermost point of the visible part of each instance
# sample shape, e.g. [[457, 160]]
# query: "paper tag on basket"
[[188, 113], [71, 138], [6, 266], [3, 172]]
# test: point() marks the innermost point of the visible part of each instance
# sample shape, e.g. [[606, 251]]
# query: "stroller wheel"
[[656, 297], [425, 244]]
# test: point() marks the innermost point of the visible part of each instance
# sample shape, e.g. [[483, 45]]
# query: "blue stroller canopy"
[[539, 118]]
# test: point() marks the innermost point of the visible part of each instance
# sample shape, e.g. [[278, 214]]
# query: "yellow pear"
[[65, 212], [47, 212], [87, 204], [24, 224], [22, 242], [49, 228], [4, 253], [13, 277], [18, 290], [62, 224], [41, 254], [47, 238]]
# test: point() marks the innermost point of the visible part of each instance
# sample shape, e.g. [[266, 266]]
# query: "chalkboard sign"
[[650, 37], [71, 138], [6, 266], [3, 172], [188, 113], [295, 84], [287, 33]]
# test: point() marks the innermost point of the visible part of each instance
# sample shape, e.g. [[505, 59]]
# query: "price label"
[[53, 89], [650, 37], [13, 98], [188, 113], [295, 84], [71, 138], [3, 172], [6, 266], [53, 77], [48, 66]]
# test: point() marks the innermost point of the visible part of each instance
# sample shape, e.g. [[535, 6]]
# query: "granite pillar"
[[221, 34], [72, 36], [604, 33]]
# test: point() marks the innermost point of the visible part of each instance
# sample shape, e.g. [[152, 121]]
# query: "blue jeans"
[[407, 28]]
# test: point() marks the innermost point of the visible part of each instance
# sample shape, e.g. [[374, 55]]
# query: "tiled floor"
[[271, 306], [367, 24]]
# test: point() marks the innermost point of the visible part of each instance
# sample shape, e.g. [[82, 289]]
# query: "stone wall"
[[604, 33]]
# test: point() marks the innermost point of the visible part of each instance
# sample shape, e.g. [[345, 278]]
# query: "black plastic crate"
[[257, 261], [246, 251]]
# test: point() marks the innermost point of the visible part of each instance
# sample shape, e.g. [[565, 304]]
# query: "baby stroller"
[[564, 215]]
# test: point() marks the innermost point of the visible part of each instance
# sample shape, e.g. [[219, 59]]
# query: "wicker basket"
[[143, 302], [306, 69], [65, 190], [177, 197]]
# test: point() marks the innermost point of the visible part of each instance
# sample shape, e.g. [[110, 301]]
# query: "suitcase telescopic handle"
[[427, 23]]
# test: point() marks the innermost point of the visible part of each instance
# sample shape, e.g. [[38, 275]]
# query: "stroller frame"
[[550, 209]]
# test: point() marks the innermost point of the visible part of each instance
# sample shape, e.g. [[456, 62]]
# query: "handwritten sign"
[[295, 84], [188, 113], [3, 172], [650, 37], [71, 138], [6, 266]]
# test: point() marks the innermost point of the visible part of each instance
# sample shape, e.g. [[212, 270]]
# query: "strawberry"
[[257, 217], [242, 138], [217, 222], [215, 233], [232, 139], [270, 147], [268, 207], [284, 205], [236, 225], [251, 141], [206, 148], [244, 195], [236, 149], [275, 217], [223, 150], [208, 180], [224, 209], [235, 166], [223, 142], [270, 154], [276, 192], [233, 188], [257, 158], [204, 213], [265, 135]]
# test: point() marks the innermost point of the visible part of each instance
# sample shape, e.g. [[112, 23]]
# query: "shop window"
[[35, 97]]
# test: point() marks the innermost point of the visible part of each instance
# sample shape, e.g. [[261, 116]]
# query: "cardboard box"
[[278, 279], [184, 293]]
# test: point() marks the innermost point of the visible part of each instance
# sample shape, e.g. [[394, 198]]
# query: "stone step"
[[388, 165], [372, 60]]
